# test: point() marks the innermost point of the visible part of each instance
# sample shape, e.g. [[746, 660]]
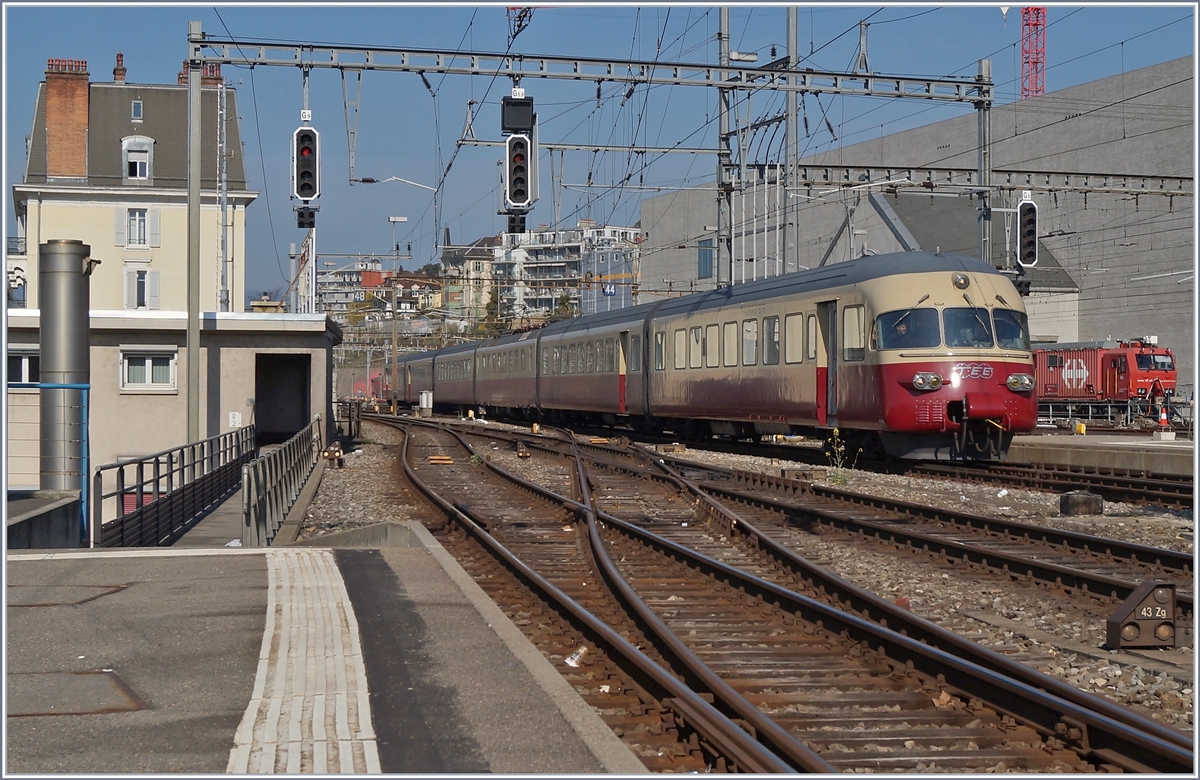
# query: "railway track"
[[788, 650], [1092, 566], [1133, 487]]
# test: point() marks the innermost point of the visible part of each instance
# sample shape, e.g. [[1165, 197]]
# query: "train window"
[[1148, 362], [600, 356], [770, 341], [749, 342], [731, 343], [967, 327], [545, 361], [793, 338], [680, 348], [570, 358], [696, 348], [1123, 368], [1012, 329], [854, 337], [660, 348], [635, 354], [810, 350], [610, 356], [712, 346], [589, 360], [907, 329], [1054, 361]]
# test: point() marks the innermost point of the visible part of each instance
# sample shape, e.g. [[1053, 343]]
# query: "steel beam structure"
[[519, 66], [834, 177]]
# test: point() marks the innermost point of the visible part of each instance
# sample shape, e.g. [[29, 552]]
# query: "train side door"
[[408, 394], [622, 351], [1122, 385], [827, 363]]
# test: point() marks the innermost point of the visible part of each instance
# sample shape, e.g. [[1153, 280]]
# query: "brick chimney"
[[210, 74], [119, 71], [66, 118]]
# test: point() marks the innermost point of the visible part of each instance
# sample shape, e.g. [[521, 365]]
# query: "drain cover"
[[56, 596], [70, 693]]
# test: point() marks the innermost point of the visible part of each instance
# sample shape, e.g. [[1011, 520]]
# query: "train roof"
[[850, 272]]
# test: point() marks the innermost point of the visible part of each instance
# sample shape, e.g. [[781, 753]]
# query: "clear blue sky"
[[407, 130]]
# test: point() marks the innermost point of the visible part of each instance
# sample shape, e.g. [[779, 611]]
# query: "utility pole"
[[791, 251], [984, 111], [724, 186], [395, 344], [193, 236]]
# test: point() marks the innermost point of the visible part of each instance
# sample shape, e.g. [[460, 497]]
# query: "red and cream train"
[[921, 355]]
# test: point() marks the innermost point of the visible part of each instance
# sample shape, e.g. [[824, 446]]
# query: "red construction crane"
[[1033, 51]]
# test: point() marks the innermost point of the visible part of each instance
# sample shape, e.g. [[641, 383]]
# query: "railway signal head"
[[1145, 619], [306, 167], [1027, 234], [516, 115], [518, 171]]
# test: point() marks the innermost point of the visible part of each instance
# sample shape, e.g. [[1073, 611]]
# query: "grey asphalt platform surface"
[[195, 660]]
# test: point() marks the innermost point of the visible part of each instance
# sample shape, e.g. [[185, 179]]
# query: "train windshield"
[[908, 328], [1155, 362], [968, 327], [1012, 329]]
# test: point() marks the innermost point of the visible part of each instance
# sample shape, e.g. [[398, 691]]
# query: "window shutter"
[[122, 219], [130, 301], [152, 289], [152, 219]]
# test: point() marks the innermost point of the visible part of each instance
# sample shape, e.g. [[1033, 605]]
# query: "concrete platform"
[[1135, 453], [297, 660]]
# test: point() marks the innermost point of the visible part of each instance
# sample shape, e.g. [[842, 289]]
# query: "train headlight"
[[925, 381], [1020, 383], [962, 281], [1141, 391]]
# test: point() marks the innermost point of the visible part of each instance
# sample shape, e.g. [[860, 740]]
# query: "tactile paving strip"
[[310, 711]]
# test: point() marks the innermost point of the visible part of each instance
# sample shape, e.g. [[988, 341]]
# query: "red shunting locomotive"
[[1121, 381]]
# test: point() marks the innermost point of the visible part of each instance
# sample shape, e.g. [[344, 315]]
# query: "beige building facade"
[[107, 165]]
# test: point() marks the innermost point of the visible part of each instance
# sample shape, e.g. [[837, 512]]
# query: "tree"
[[564, 309], [491, 324], [430, 269]]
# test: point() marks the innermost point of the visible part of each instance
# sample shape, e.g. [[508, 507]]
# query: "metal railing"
[[15, 245], [153, 501], [271, 484]]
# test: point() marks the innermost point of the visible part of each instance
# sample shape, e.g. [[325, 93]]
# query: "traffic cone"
[[1162, 418]]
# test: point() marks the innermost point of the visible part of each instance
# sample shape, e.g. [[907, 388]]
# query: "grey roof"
[[952, 225], [164, 111]]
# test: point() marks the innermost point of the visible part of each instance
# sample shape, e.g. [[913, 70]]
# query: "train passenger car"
[[414, 374], [593, 365], [454, 376], [917, 355], [506, 374], [924, 354], [1109, 380]]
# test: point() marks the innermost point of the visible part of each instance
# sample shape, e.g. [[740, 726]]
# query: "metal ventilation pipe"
[[64, 268]]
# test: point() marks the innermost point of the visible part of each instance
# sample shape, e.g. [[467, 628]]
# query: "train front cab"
[[957, 381]]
